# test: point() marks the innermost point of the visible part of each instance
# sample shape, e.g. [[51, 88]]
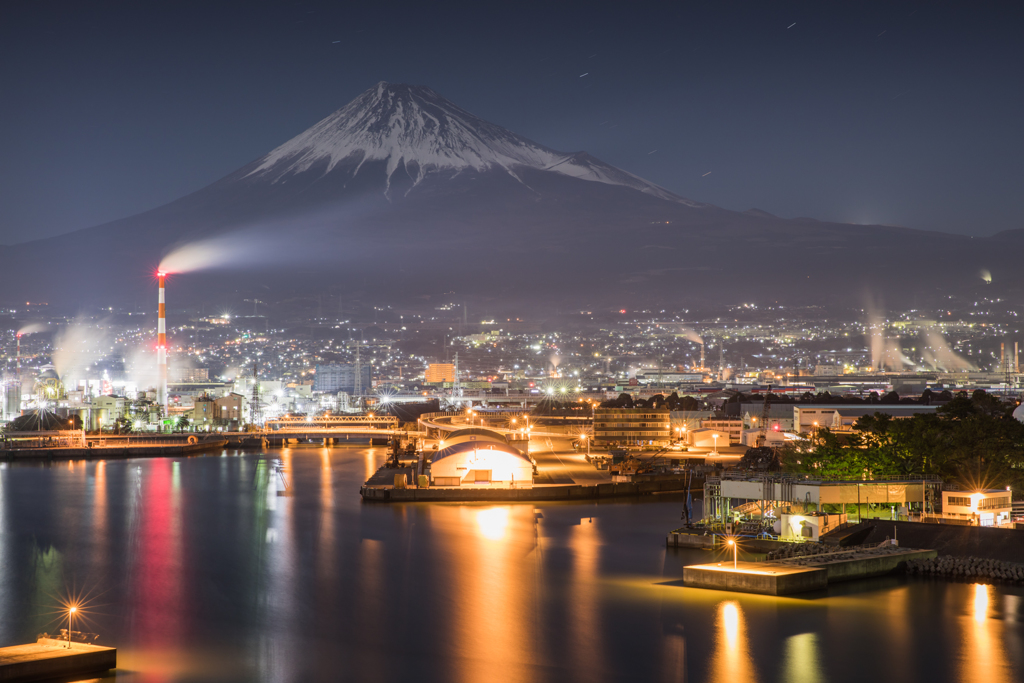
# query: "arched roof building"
[[480, 457]]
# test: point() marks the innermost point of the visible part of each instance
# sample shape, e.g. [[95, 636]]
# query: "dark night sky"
[[895, 112]]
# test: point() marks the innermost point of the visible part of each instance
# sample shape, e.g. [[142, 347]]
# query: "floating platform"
[[48, 659], [801, 574]]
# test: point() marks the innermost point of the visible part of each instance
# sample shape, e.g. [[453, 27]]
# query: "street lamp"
[[71, 615], [715, 451], [735, 550], [586, 441]]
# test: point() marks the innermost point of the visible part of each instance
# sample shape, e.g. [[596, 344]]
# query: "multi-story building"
[[632, 427], [439, 372], [340, 377]]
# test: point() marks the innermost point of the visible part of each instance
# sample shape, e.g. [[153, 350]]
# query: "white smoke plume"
[[214, 252], [271, 242], [78, 346], [32, 328], [939, 354], [684, 332], [140, 366], [886, 352]]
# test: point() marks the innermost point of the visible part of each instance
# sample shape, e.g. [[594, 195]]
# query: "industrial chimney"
[[161, 347]]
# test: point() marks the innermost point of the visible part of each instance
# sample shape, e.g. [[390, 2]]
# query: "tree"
[[183, 423]]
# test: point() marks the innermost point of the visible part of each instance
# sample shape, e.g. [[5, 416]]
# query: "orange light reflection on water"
[[731, 661], [493, 584], [587, 645], [983, 653]]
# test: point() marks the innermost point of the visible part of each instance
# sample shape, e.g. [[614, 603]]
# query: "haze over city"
[[525, 342]]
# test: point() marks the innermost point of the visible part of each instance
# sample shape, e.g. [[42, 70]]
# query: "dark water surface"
[[200, 571]]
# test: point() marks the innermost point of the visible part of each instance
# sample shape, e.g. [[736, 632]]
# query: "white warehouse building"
[[480, 457]]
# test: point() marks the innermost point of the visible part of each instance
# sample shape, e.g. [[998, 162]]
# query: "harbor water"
[[246, 566]]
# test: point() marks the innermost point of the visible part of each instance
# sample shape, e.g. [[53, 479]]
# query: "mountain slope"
[[404, 193]]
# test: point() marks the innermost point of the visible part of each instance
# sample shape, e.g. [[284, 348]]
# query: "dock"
[[48, 658], [640, 486], [109, 452], [801, 574]]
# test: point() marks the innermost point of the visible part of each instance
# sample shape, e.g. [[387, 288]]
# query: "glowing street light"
[[71, 615], [586, 441], [715, 451], [735, 550]]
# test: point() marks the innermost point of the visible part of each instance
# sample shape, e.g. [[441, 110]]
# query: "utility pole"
[[255, 411], [357, 387], [456, 385]]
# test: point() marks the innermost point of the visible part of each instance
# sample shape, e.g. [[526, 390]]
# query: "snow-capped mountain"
[[414, 128], [401, 181]]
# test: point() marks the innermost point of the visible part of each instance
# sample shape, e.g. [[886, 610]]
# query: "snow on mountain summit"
[[414, 127]]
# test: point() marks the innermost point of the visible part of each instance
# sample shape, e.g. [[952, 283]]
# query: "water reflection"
[[158, 595], [100, 533], [587, 644], [983, 657], [731, 660], [493, 523], [207, 574], [280, 643], [802, 659], [325, 539], [494, 592]]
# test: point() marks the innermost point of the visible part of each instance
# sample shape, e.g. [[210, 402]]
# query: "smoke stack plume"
[[161, 347]]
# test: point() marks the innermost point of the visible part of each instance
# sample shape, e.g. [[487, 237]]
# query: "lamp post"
[[715, 451], [587, 442], [735, 550], [71, 615]]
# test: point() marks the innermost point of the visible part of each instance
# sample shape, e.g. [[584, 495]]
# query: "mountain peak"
[[414, 127]]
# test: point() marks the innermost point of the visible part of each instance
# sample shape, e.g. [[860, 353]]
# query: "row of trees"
[[973, 440]]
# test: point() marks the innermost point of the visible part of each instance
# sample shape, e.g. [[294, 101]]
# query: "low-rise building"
[[632, 427], [480, 457], [731, 427], [808, 418], [991, 507]]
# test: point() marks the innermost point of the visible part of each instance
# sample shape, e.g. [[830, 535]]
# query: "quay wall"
[[867, 567], [110, 452], [538, 493], [957, 541]]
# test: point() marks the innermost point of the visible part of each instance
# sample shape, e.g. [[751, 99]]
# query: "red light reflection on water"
[[158, 569]]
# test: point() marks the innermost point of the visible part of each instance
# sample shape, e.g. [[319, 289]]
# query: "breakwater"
[[974, 569]]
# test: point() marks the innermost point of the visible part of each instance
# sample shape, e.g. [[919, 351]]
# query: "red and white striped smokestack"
[[161, 347]]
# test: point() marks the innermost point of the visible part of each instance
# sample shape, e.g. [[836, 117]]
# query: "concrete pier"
[[48, 659], [756, 577], [801, 574]]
